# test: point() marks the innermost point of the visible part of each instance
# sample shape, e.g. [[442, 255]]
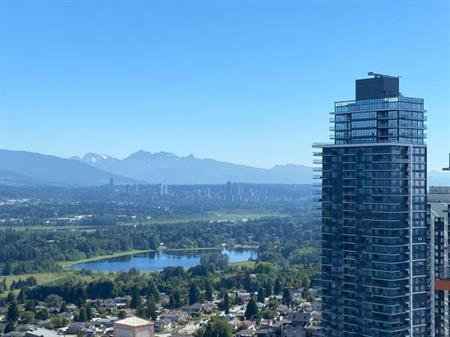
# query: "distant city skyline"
[[242, 82]]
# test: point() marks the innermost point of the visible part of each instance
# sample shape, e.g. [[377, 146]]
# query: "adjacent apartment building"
[[375, 265], [439, 218]]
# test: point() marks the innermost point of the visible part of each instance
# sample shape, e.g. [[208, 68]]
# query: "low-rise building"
[[133, 327], [162, 325], [246, 333], [76, 328], [175, 316], [199, 308], [41, 332], [106, 322]]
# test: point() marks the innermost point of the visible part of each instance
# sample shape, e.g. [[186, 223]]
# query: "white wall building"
[[133, 327]]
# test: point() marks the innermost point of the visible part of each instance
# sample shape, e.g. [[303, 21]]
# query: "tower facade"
[[439, 219], [375, 272]]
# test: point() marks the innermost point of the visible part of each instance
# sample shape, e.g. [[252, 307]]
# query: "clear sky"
[[242, 81]]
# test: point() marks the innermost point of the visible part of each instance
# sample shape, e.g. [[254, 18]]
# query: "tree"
[[11, 297], [30, 305], [27, 317], [140, 311], [88, 313], [252, 311], [12, 314], [9, 327], [151, 310], [226, 303], [215, 328], [268, 288], [287, 297], [63, 307], [82, 317], [53, 300], [261, 297], [136, 299], [152, 291], [269, 314], [172, 301], [277, 287], [56, 322], [273, 304], [208, 291], [3, 286], [122, 314], [7, 269], [175, 299], [22, 295], [42, 314], [81, 297], [194, 294]]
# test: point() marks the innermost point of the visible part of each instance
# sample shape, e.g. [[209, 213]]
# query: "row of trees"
[[180, 285]]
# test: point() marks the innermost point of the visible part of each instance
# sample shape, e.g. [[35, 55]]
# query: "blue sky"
[[249, 82]]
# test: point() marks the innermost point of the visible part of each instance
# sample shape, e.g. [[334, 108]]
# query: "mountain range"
[[35, 169], [168, 168], [23, 168], [27, 168]]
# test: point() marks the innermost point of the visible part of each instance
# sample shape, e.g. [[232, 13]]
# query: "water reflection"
[[157, 261]]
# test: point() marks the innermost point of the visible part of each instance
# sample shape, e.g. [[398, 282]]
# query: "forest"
[[284, 240]]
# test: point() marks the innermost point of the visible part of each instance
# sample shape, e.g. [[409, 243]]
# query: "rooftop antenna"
[[376, 75]]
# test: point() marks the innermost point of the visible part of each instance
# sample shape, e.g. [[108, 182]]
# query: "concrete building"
[[375, 279], [299, 323], [133, 327], [438, 216]]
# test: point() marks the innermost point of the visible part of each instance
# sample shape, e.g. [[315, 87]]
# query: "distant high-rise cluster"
[[375, 266], [228, 192], [163, 189]]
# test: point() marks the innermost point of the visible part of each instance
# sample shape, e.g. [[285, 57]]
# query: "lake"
[[157, 261]]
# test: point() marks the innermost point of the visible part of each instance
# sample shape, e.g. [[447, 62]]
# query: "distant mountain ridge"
[[168, 168], [28, 168]]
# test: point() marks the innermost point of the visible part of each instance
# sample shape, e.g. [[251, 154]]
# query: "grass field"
[[209, 216], [40, 277], [48, 277], [249, 264]]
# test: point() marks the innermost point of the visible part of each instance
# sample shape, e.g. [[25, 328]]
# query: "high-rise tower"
[[374, 235], [439, 219]]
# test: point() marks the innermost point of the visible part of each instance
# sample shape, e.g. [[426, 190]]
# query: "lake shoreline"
[[67, 265]]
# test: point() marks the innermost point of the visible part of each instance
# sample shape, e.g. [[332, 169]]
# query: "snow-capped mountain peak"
[[93, 158]]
